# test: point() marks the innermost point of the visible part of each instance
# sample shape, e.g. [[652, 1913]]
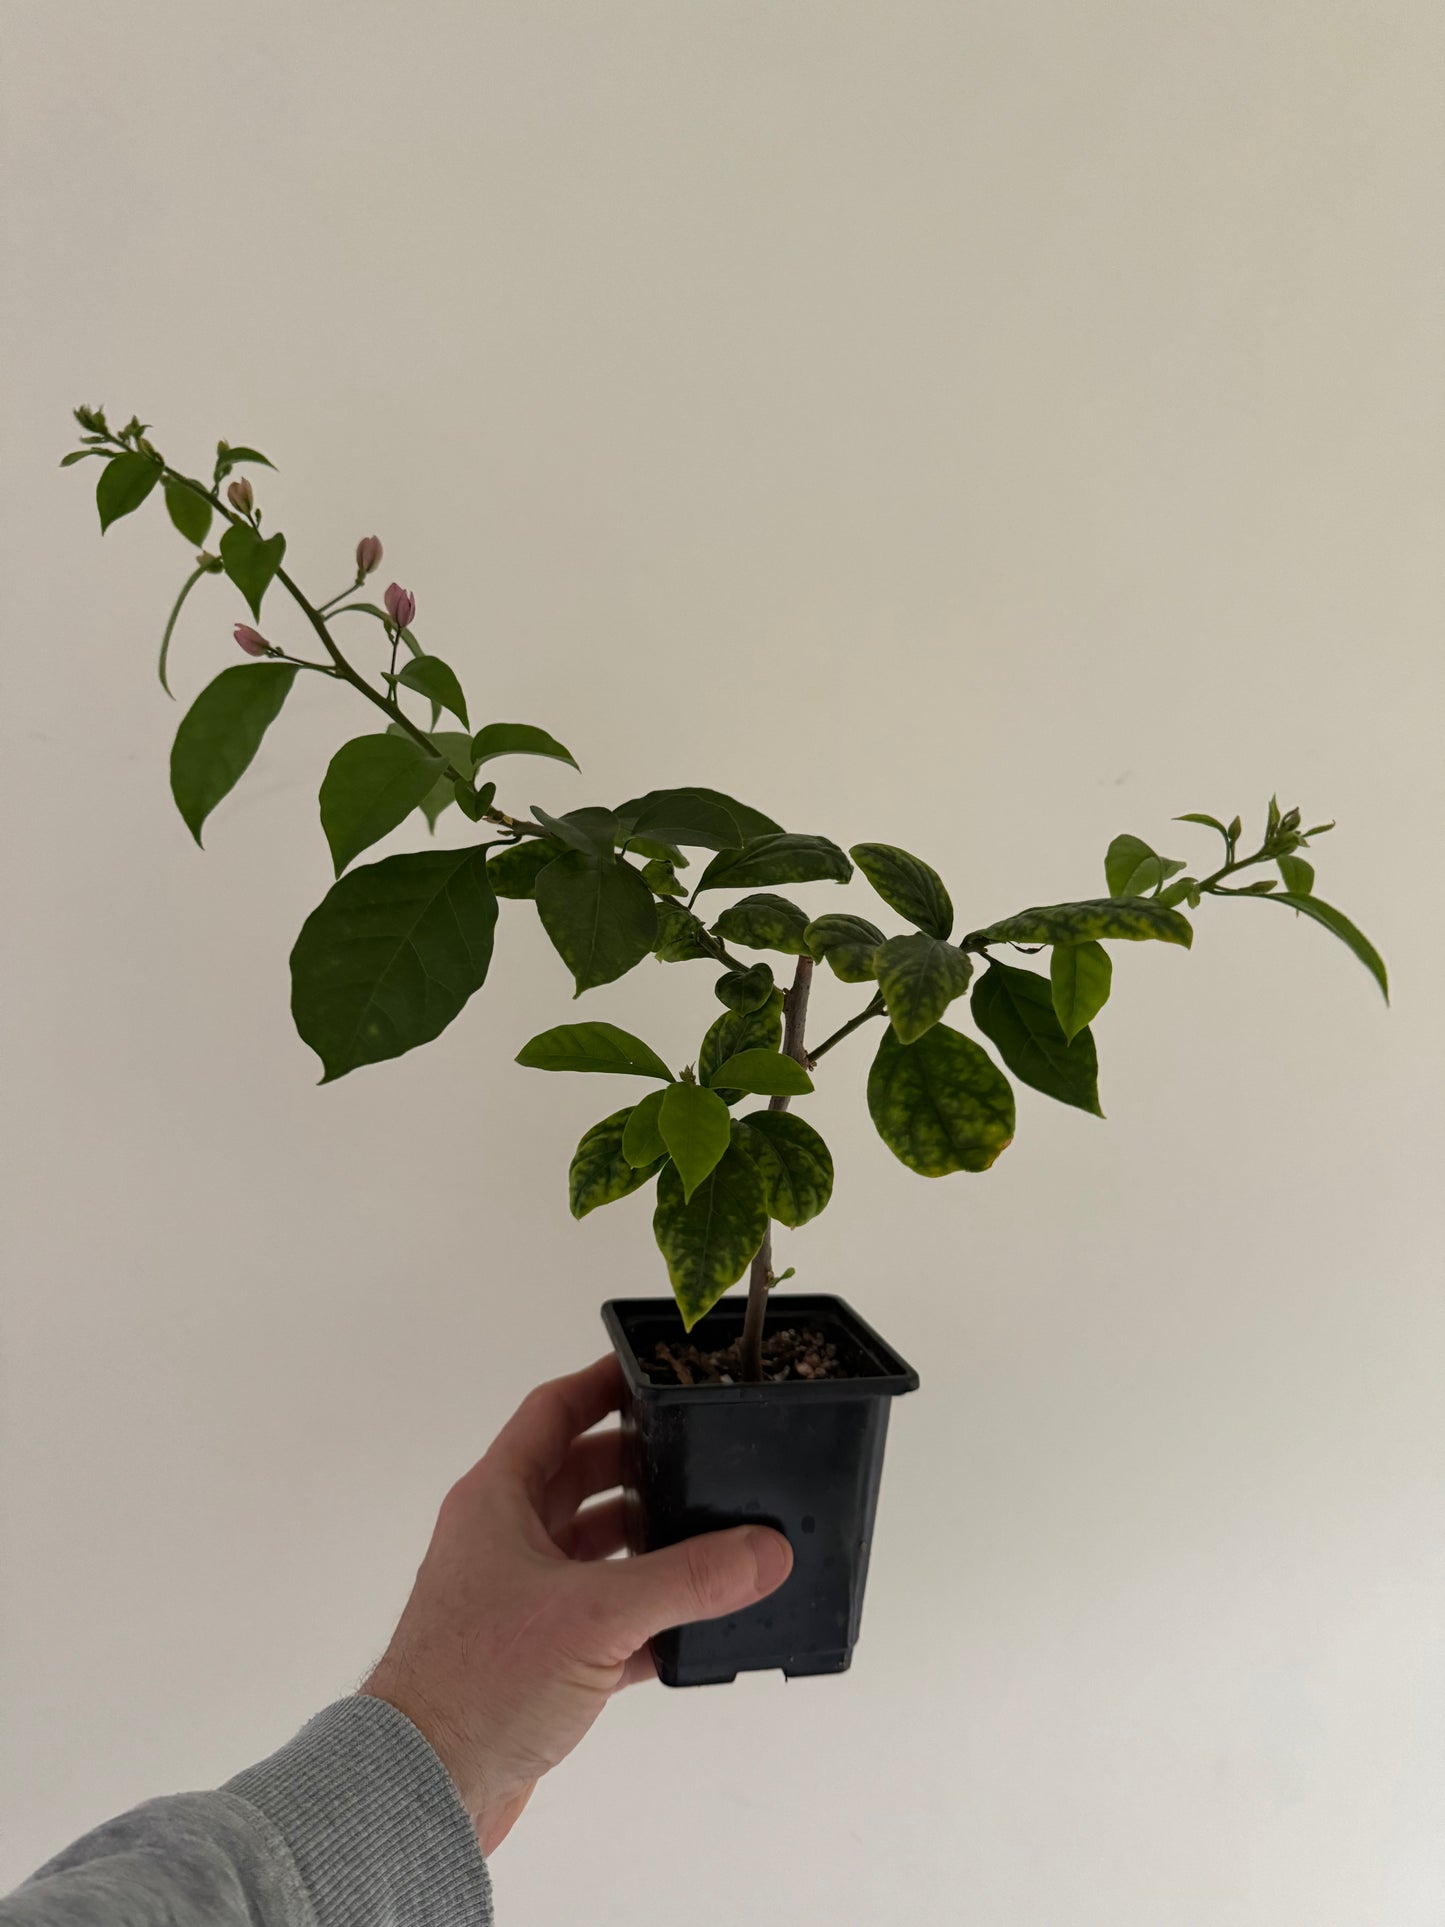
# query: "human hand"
[[521, 1625]]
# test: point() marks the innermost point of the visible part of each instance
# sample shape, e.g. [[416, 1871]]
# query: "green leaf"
[[642, 1141], [681, 817], [250, 562], [391, 954], [847, 943], [1127, 919], [781, 858], [1131, 868], [600, 1173], [233, 455], [1339, 924], [1181, 890], [1079, 978], [907, 885], [221, 732], [679, 938], [78, 455], [1298, 873], [765, 922], [709, 1241], [432, 677], [371, 784], [649, 846], [751, 822], [191, 513], [592, 1047], [590, 829], [473, 803], [919, 978], [660, 877], [1210, 822], [941, 1104], [190, 582], [514, 871], [740, 1030], [1015, 1009], [745, 989], [123, 484], [793, 1163], [457, 749], [765, 1073], [599, 914], [517, 739], [694, 1125]]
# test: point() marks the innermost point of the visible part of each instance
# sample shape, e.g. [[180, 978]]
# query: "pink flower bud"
[[252, 641], [368, 556], [400, 605], [241, 496]]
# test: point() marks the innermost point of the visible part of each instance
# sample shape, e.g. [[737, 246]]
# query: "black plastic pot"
[[806, 1458]]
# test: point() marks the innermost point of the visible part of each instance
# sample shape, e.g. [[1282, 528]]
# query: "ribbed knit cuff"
[[373, 1821]]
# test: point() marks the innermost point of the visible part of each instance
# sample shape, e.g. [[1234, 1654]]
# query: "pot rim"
[[893, 1375]]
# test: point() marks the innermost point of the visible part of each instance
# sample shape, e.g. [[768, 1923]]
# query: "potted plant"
[[771, 1406]]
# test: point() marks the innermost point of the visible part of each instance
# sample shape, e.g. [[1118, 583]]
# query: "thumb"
[[700, 1578]]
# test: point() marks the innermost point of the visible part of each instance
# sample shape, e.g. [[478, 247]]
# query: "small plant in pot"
[[760, 1406]]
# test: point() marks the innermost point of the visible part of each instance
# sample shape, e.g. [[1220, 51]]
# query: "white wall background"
[[986, 428]]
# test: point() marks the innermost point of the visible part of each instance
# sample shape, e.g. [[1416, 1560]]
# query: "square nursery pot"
[[804, 1457]]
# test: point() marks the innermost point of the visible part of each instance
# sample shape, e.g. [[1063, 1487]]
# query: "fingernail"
[[773, 1556]]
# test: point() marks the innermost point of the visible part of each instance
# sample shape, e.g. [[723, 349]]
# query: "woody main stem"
[[760, 1279]]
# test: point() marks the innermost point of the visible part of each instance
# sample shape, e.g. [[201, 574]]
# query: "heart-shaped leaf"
[[1131, 868], [599, 914], [191, 513], [123, 484], [431, 677], [745, 989], [391, 954], [372, 784], [1015, 1009], [251, 563], [221, 732]]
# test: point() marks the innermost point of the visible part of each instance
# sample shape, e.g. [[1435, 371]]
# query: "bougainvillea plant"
[[395, 948]]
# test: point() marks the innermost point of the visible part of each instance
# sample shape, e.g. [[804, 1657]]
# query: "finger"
[[641, 1666], [593, 1464], [595, 1533], [532, 1445], [701, 1578]]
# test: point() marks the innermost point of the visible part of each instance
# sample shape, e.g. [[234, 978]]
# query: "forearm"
[[353, 1823]]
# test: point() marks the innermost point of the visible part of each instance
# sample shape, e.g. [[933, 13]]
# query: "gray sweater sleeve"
[[354, 1823]]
